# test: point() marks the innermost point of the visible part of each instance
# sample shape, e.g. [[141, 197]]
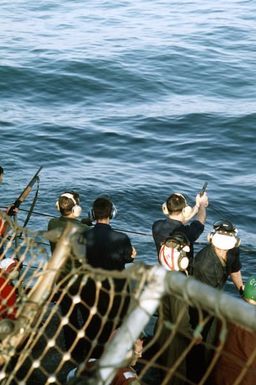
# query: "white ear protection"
[[224, 236], [188, 212], [173, 259], [223, 241], [173, 252], [76, 209], [165, 209]]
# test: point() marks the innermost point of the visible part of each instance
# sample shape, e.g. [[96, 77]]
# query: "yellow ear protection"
[[224, 235], [173, 252], [187, 210], [76, 209]]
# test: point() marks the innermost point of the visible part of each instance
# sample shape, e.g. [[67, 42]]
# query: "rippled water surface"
[[135, 100]]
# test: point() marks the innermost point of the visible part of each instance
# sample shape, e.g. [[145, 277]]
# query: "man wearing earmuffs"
[[68, 204], [107, 248], [220, 258], [178, 214], [110, 250], [213, 265], [173, 257]]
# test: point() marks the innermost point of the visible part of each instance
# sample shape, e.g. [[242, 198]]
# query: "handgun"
[[203, 189]]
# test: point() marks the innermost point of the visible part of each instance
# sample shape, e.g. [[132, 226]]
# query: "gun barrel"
[[204, 188], [27, 189]]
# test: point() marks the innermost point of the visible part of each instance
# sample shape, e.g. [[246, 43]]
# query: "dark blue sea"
[[133, 99]]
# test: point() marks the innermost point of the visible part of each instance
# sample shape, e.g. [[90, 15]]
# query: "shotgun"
[[24, 194]]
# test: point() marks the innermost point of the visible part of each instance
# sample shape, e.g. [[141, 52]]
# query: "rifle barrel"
[[27, 189]]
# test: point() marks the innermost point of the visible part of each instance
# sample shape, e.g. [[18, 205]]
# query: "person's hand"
[[241, 291], [12, 210], [134, 252], [202, 200]]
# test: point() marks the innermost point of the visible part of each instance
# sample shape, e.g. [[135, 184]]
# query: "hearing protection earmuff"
[[187, 211], [112, 214], [224, 235], [173, 253], [76, 209], [113, 211]]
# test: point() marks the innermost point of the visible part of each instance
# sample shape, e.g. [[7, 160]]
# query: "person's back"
[[68, 204], [174, 257], [178, 214], [107, 248], [110, 250]]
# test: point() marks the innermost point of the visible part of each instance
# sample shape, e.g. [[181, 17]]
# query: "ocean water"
[[134, 99]]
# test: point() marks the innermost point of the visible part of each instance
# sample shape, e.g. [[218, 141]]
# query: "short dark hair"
[[102, 208], [176, 203], [1, 170]]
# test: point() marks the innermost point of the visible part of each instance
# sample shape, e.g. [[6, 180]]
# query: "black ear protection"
[[186, 210], [173, 252], [76, 209], [224, 235], [112, 214]]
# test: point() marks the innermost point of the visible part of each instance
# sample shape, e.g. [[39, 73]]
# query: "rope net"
[[84, 327]]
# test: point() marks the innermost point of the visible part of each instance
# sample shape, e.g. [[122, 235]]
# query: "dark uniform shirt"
[[163, 228], [107, 248], [208, 268], [110, 250]]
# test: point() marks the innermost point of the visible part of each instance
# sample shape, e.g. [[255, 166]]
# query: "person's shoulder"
[[204, 251], [53, 223], [119, 234], [159, 223], [81, 225], [196, 223], [235, 252]]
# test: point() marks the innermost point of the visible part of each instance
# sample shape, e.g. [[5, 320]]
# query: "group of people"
[[106, 249], [111, 250], [174, 238], [218, 260]]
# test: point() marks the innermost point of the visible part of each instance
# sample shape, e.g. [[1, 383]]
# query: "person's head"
[[177, 205], [173, 252], [103, 208], [224, 235], [1, 174], [249, 292], [68, 204]]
